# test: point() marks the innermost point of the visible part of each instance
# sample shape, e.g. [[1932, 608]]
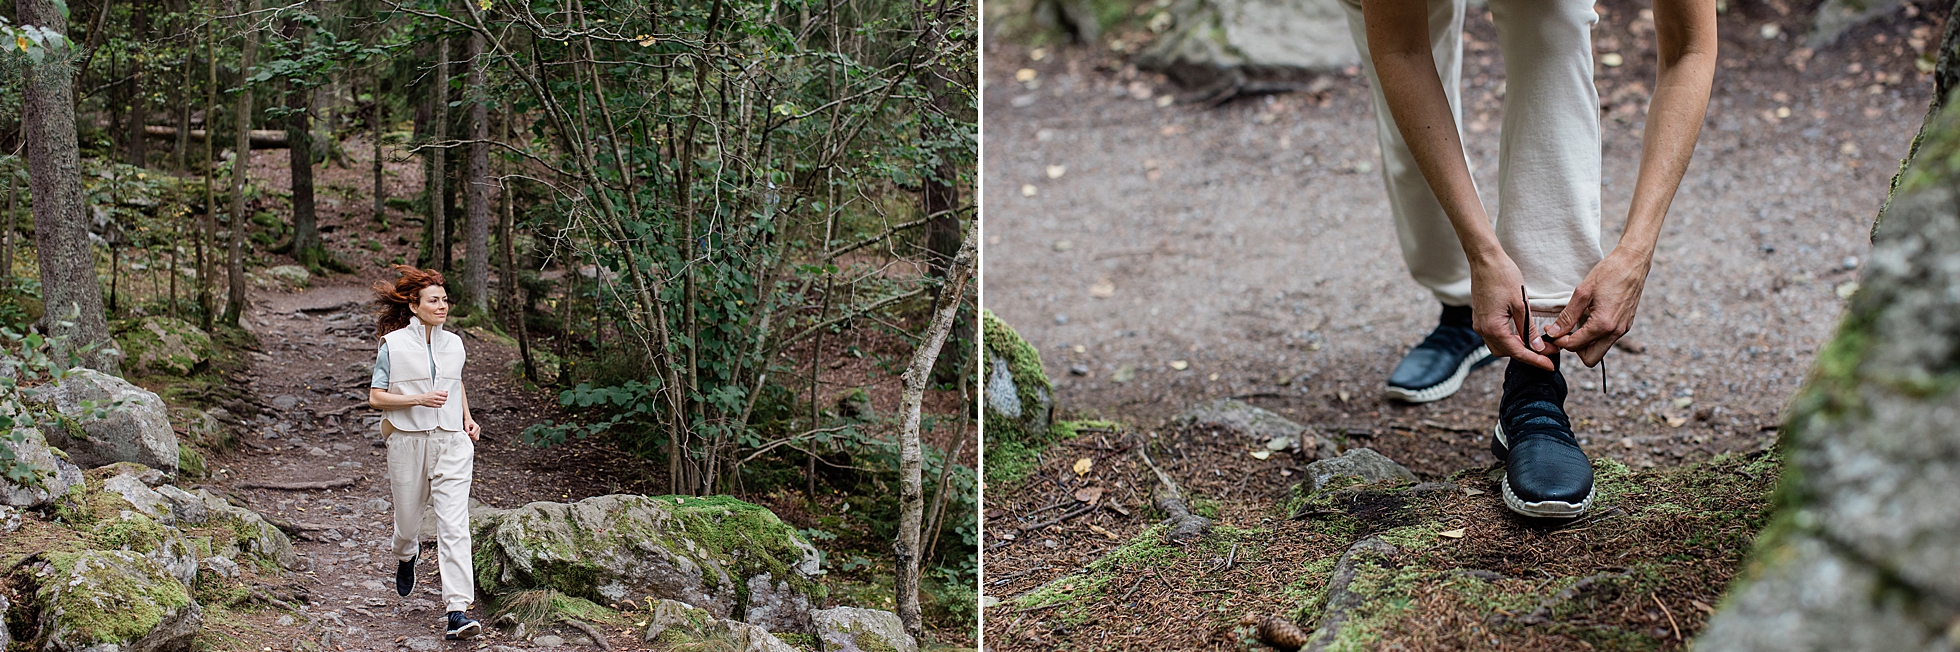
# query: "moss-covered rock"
[[676, 626], [163, 346], [53, 473], [850, 629], [97, 600], [134, 425], [733, 558], [1018, 395]]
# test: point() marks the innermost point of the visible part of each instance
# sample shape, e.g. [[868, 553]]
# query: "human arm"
[[380, 398], [1603, 305], [469, 423], [1399, 48]]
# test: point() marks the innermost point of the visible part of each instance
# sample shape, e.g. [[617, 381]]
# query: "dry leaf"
[[1028, 190], [1260, 455], [1675, 422], [1474, 492], [1083, 465], [1099, 530], [1102, 289], [1454, 534], [1703, 606], [1343, 395], [1025, 75], [1090, 495], [1180, 365], [1056, 171]]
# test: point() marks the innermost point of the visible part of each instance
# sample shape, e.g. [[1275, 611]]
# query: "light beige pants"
[[1548, 151], [435, 466]]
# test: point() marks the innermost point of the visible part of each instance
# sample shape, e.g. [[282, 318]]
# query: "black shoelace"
[[1548, 339]]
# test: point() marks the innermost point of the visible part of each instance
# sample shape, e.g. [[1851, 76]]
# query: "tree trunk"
[[208, 221], [476, 270], [139, 151], [438, 227], [1865, 554], [516, 304], [240, 173], [911, 495], [69, 288], [299, 139], [380, 191], [7, 232]]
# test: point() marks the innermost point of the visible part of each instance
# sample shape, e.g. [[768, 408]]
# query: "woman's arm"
[[383, 400], [1603, 305], [469, 423]]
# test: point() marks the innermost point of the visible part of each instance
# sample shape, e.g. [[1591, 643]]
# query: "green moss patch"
[[108, 597]]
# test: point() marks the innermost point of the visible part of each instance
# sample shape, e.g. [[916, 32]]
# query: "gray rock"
[[219, 566], [291, 275], [673, 624], [152, 611], [1870, 556], [256, 537], [1362, 464], [136, 427], [548, 640], [1214, 43], [185, 506], [850, 629], [1834, 17], [1018, 395], [142, 497], [430, 643], [55, 474], [623, 548], [6, 638], [9, 522], [377, 505]]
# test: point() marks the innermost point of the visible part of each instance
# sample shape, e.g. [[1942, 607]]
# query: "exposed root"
[[1543, 614], [598, 637], [1340, 601], [1185, 526]]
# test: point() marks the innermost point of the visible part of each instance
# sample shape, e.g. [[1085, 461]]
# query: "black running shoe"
[[1545, 475], [1436, 368], [461, 627], [404, 577]]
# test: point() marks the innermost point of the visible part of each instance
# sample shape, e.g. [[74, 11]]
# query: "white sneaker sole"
[[466, 632], [1543, 508], [1442, 390]]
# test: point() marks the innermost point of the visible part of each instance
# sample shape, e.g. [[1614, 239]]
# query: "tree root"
[[1342, 602], [598, 637], [1185, 526]]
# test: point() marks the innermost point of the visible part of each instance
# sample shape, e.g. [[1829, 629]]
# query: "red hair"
[[393, 301]]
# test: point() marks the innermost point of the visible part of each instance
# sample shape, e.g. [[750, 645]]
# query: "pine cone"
[[1280, 633]]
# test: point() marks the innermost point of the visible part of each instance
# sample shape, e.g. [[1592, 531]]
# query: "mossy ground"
[[1659, 548], [1010, 460]]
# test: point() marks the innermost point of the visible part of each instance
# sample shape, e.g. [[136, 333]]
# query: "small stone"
[[1769, 31], [1061, 320], [285, 620], [1611, 60], [1078, 370], [285, 402], [1851, 262], [1123, 374], [1028, 190], [316, 451], [548, 640], [423, 643], [377, 505]]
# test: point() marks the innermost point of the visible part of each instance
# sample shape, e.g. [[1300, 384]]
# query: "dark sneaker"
[[1436, 368], [1545, 475], [461, 627], [404, 577]]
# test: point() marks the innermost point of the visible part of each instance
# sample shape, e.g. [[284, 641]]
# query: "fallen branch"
[[1185, 526], [1071, 514], [598, 637], [1342, 602], [336, 483]]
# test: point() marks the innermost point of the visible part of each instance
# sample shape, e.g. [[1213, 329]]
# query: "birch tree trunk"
[[911, 495], [438, 227], [68, 285]]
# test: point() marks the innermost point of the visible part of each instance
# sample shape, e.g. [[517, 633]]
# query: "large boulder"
[[135, 426], [1866, 551], [233, 532], [6, 638], [53, 474], [675, 625], [162, 345], [732, 558], [850, 629], [1217, 43], [104, 600], [1020, 399]]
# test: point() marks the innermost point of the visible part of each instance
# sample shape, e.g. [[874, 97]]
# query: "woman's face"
[[432, 305]]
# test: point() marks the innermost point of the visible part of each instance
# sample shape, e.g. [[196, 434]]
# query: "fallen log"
[[261, 138]]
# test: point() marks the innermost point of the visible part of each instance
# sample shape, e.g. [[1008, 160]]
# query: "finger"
[[1572, 315], [1597, 327], [1595, 352], [1506, 344], [1521, 324]]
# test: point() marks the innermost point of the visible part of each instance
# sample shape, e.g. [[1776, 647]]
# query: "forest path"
[[1170, 254], [313, 372]]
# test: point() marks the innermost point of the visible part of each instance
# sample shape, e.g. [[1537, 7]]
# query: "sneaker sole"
[[1442, 390], [467, 631], [1501, 447]]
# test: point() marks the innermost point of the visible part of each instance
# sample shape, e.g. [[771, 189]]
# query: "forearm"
[[1398, 43], [382, 399], [1674, 117]]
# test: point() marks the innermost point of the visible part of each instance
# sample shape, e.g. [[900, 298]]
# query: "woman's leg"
[[408, 458], [1548, 154], [454, 464]]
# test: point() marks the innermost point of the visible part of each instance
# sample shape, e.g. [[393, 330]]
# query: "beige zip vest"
[[409, 373]]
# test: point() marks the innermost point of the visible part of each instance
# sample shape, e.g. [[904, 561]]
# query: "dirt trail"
[[312, 375]]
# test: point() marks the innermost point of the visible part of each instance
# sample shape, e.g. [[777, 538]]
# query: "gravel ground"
[[1161, 254]]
